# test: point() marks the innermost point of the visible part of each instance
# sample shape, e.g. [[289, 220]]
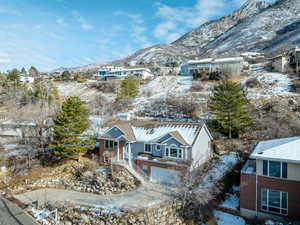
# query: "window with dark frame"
[[275, 169], [174, 152], [158, 147], [109, 144], [148, 148], [274, 201]]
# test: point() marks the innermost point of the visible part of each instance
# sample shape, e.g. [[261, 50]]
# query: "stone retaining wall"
[[161, 214]]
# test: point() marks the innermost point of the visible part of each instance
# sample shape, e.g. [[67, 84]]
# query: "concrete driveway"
[[136, 199], [11, 214]]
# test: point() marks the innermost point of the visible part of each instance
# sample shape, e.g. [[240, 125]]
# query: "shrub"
[[252, 83], [105, 87], [296, 86], [196, 87]]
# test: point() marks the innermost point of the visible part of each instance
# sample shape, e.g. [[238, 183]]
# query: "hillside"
[[256, 26], [191, 44], [271, 29], [259, 25]]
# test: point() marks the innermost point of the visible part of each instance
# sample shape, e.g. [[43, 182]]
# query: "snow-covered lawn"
[[226, 219], [220, 169], [160, 88], [272, 84], [232, 201], [76, 89]]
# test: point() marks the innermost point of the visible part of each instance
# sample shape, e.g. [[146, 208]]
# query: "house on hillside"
[[280, 63], [161, 150], [117, 73], [270, 180], [289, 61], [26, 78], [294, 54], [232, 65]]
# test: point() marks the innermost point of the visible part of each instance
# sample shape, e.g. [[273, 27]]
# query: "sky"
[[49, 34]]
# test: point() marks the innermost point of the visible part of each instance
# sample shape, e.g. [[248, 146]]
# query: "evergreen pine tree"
[[23, 72], [129, 89], [69, 127], [33, 72], [66, 75], [229, 106], [14, 77]]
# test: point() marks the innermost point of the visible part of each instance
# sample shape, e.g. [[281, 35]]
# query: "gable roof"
[[178, 137], [152, 131], [284, 149], [127, 130]]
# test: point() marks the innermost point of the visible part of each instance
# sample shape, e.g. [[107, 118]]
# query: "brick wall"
[[291, 187], [248, 188], [141, 163]]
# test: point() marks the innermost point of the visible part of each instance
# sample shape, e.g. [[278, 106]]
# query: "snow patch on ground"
[[160, 88], [272, 84], [81, 90], [220, 169], [231, 202], [42, 215], [225, 219], [107, 209]]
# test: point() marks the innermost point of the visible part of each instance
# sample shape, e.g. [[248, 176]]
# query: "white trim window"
[[109, 144], [275, 169], [158, 148], [174, 152], [274, 201], [148, 148]]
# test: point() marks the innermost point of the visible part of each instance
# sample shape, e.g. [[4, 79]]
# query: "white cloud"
[[10, 11], [178, 20], [83, 22], [138, 28], [54, 35], [239, 2], [137, 18], [5, 60], [61, 22]]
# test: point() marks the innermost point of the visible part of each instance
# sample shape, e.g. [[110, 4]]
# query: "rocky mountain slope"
[[271, 29], [195, 43], [259, 25]]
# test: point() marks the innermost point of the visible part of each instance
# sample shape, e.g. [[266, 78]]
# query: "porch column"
[[118, 155], [129, 154], [186, 153]]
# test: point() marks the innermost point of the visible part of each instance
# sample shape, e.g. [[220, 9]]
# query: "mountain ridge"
[[260, 25]]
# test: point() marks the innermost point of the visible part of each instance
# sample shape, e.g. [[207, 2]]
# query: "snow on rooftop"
[[251, 54], [188, 132], [278, 149], [207, 60], [212, 60], [231, 59]]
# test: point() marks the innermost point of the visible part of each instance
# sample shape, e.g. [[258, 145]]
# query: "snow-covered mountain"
[[194, 43], [271, 29], [259, 25]]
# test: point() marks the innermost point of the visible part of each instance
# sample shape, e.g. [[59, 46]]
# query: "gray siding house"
[[163, 150]]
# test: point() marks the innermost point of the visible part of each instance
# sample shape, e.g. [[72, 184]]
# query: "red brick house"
[[270, 180], [162, 150]]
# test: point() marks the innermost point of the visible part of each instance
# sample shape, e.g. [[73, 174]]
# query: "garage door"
[[165, 176]]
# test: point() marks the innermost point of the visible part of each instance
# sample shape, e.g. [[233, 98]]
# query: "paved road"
[[11, 214], [137, 199]]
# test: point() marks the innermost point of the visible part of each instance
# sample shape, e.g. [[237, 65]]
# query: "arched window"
[[173, 151]]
